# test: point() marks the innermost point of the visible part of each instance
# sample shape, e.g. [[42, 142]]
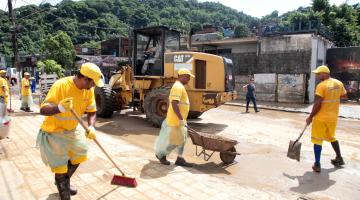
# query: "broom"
[[116, 180]]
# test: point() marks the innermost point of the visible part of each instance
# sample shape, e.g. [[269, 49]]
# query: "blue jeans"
[[253, 99]]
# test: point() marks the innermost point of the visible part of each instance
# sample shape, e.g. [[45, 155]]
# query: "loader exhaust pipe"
[[189, 47]]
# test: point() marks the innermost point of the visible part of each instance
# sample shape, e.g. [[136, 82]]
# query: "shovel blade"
[[294, 150]]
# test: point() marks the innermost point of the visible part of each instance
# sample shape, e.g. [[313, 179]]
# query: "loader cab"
[[149, 46]]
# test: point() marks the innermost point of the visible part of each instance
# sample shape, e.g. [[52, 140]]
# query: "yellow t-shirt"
[[25, 91], [83, 101], [330, 90], [178, 92], [3, 83]]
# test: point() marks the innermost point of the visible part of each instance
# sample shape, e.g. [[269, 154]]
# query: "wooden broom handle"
[[95, 140]]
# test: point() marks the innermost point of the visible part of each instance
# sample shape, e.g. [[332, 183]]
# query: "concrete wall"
[[244, 48], [265, 87], [286, 43], [287, 88], [291, 88], [285, 54]]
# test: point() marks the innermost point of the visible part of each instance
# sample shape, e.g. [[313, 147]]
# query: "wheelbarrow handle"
[[190, 129]]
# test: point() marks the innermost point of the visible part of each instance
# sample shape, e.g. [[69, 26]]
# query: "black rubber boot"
[[338, 161], [71, 169], [63, 184], [316, 168], [181, 162], [163, 160]]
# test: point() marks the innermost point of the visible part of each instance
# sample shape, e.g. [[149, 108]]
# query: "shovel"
[[295, 147]]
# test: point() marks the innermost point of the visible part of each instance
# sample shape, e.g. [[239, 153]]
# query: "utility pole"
[[15, 63], [13, 28]]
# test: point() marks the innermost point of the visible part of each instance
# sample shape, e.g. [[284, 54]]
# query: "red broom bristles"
[[123, 180]]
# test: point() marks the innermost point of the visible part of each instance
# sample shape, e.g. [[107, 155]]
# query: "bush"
[[50, 66]]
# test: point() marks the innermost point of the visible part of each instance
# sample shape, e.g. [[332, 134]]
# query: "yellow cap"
[[26, 74], [92, 71], [321, 69], [183, 71], [2, 71]]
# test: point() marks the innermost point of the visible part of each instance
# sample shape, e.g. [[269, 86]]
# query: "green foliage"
[[94, 20], [321, 5], [91, 44], [60, 48], [241, 31], [50, 66]]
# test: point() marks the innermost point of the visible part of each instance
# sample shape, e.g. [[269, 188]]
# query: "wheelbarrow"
[[213, 143]]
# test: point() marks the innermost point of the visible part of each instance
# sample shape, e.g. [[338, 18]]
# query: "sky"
[[255, 8]]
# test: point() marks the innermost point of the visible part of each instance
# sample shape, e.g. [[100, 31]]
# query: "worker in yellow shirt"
[[324, 115], [26, 97], [173, 133], [4, 86], [62, 146]]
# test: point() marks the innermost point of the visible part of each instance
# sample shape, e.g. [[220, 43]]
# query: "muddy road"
[[263, 141]]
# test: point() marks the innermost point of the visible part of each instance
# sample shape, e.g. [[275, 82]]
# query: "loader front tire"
[[156, 105]]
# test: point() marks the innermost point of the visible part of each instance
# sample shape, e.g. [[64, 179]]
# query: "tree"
[[241, 31], [50, 66], [321, 5], [61, 49]]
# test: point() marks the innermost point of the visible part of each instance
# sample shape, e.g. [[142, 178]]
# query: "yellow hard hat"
[[2, 71], [26, 74], [183, 71], [92, 71], [321, 69]]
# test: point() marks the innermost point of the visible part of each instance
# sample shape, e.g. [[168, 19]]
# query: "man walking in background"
[[26, 97], [324, 115]]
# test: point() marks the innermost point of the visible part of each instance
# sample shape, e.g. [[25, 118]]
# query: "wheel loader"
[[146, 82]]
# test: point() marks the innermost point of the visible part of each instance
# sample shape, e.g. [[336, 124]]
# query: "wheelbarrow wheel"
[[228, 158]]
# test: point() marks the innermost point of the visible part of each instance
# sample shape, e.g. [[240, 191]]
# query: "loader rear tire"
[[105, 101], [156, 105]]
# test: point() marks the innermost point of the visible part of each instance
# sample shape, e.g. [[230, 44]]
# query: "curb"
[[284, 110]]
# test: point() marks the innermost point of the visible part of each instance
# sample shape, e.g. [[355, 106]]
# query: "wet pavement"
[[262, 171]]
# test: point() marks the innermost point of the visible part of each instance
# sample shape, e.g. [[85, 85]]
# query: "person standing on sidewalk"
[[62, 146], [250, 94], [26, 97], [4, 86], [324, 115], [173, 133]]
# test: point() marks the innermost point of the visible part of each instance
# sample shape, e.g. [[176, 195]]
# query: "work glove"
[[6, 94], [91, 134], [65, 104], [183, 123]]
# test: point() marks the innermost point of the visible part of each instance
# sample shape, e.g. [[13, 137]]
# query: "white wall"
[[318, 57]]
